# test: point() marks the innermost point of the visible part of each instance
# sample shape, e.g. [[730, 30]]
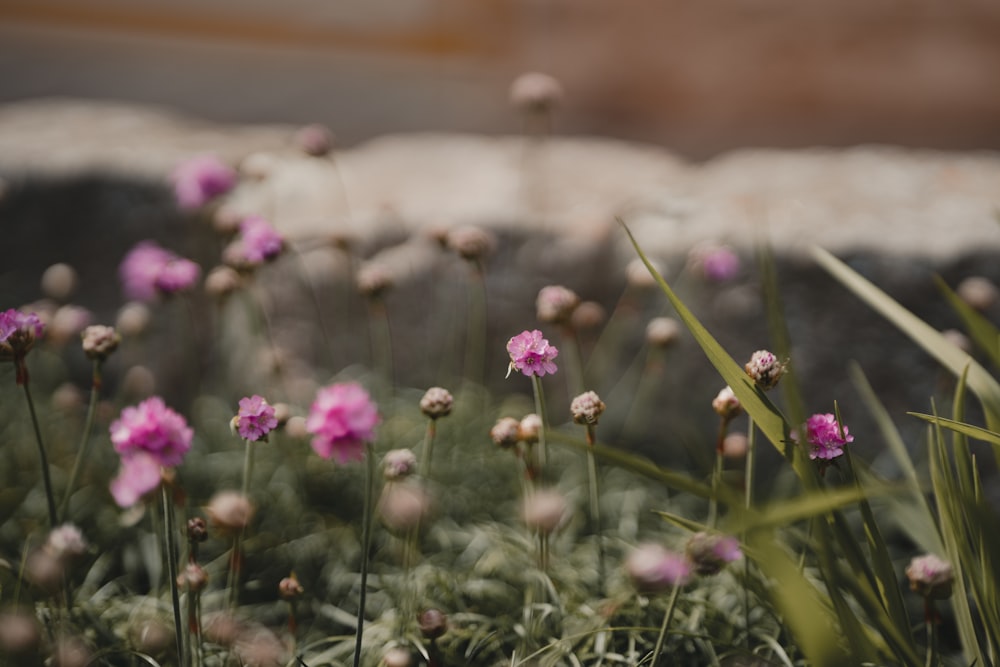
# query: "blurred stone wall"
[[700, 77]]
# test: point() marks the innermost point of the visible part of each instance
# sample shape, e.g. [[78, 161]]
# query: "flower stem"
[[930, 619], [428, 448], [543, 450], [667, 617], [475, 341], [81, 451], [237, 557], [171, 555], [366, 543], [595, 503], [46, 478]]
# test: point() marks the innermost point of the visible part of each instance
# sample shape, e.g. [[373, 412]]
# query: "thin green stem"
[[171, 555], [595, 503], [717, 466], [237, 556], [366, 544], [475, 340], [667, 617], [543, 450], [44, 459], [428, 448], [81, 450]]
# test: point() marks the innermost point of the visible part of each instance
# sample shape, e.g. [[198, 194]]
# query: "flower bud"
[[230, 510], [725, 403], [544, 510], [193, 578], [587, 408], [931, 577], [433, 623], [505, 433], [59, 281], [398, 464], [556, 304], [403, 506], [289, 588], [222, 281], [314, 139], [530, 428], [436, 403], [979, 292], [133, 319], [100, 341], [535, 92], [197, 530], [471, 243], [374, 279], [663, 331], [397, 657], [765, 369], [588, 315], [710, 552], [652, 568]]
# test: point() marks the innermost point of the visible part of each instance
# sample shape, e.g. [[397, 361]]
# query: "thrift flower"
[[149, 269], [506, 432], [289, 588], [765, 369], [824, 435], [930, 576], [710, 552], [230, 510], [652, 568], [717, 263], [18, 332], [140, 474], [255, 418], [154, 429], [530, 428], [398, 464], [556, 304], [531, 354], [535, 92], [402, 507], [258, 242], [200, 179], [544, 510], [471, 243], [342, 419]]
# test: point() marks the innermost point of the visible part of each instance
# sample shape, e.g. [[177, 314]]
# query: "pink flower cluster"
[[148, 270], [531, 353], [148, 437], [342, 419], [824, 435], [258, 242], [18, 331], [200, 179], [653, 568], [255, 418]]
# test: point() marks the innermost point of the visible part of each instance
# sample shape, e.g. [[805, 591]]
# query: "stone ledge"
[[898, 201]]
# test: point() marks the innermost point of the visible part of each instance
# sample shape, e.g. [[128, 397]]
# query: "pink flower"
[[149, 269], [154, 429], [531, 354], [255, 418], [200, 179], [261, 241], [710, 552], [342, 419], [930, 576], [18, 332], [652, 568], [139, 474], [824, 435]]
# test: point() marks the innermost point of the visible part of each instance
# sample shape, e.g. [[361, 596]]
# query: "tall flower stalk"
[[342, 421], [18, 332], [587, 409]]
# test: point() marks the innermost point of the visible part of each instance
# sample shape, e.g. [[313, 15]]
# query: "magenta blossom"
[[653, 568], [18, 332], [531, 354], [255, 418], [710, 552], [200, 179], [260, 241], [825, 436], [140, 473], [153, 428], [149, 269], [342, 419]]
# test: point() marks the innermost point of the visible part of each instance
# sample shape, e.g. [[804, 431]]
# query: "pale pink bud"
[[436, 403], [663, 331], [556, 304], [587, 408], [544, 510], [725, 403]]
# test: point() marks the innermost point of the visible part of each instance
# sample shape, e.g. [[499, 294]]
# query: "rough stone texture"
[[900, 201]]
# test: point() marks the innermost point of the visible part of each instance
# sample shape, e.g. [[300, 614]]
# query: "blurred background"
[[698, 77]]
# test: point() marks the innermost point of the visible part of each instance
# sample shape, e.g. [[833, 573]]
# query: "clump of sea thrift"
[[826, 437], [342, 419], [531, 354], [653, 568], [149, 269], [255, 418], [200, 179], [587, 408], [710, 552], [930, 577], [436, 402], [555, 304], [765, 369]]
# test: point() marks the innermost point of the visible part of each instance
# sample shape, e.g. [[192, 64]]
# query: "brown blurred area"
[[700, 76]]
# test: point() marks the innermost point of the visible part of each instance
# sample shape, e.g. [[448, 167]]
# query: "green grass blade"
[[766, 416], [982, 331], [799, 508], [974, 432], [982, 384]]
